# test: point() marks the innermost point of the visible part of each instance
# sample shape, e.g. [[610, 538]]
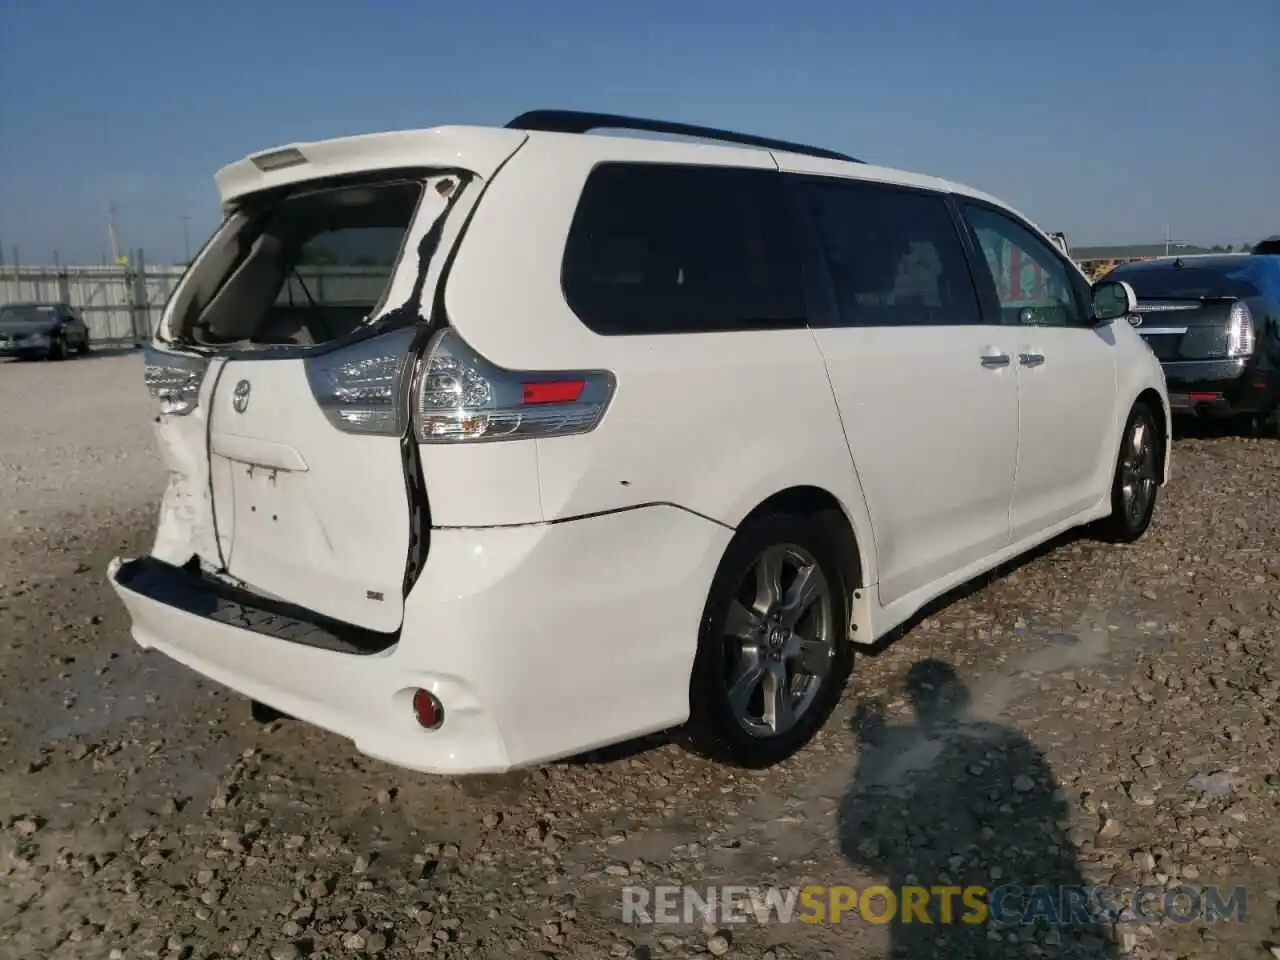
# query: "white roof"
[[483, 150]]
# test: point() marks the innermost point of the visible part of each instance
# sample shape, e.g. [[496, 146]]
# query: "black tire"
[[83, 349], [1129, 520], [714, 728], [1263, 426], [58, 349], [262, 713]]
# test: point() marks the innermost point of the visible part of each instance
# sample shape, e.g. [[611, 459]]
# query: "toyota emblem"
[[240, 397]]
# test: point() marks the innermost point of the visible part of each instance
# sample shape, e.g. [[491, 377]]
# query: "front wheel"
[[58, 349], [1137, 478], [773, 648]]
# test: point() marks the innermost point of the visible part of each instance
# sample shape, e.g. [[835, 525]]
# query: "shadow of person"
[[951, 802]]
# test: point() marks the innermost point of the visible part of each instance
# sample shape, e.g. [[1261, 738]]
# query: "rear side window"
[[664, 248], [894, 256]]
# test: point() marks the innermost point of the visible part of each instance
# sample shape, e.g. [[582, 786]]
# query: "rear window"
[[1189, 282], [305, 268], [27, 313], [659, 248]]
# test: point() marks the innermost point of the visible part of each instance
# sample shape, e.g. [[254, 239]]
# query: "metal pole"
[[141, 313]]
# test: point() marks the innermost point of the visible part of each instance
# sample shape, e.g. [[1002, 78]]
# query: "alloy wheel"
[[1138, 470], [779, 640]]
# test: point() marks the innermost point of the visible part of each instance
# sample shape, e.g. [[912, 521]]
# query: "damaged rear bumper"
[[534, 647]]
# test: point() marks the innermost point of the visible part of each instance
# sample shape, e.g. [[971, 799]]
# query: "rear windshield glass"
[[25, 313], [303, 269], [1200, 282]]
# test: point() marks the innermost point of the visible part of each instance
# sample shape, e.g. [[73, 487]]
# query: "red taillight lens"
[[558, 391]]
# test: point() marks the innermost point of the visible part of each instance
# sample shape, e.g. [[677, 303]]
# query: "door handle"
[[991, 360], [1031, 359]]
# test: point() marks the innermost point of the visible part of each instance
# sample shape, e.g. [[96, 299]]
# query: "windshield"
[[27, 313], [1163, 281]]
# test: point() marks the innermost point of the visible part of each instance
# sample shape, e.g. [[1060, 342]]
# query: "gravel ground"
[[1094, 715]]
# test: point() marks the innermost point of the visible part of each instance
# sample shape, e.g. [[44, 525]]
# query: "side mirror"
[[1112, 300]]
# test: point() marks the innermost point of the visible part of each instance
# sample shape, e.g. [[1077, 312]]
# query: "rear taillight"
[[460, 397], [1240, 335], [456, 395], [361, 388], [173, 379]]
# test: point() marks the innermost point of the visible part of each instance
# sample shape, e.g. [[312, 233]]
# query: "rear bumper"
[[540, 641], [1220, 387]]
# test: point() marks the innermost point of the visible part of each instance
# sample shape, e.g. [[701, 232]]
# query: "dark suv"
[[1214, 323]]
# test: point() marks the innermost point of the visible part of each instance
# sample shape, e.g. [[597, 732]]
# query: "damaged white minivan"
[[489, 446]]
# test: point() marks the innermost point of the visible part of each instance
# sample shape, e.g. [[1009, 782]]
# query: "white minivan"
[[493, 445]]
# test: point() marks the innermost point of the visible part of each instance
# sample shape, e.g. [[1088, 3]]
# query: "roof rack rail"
[[577, 121]]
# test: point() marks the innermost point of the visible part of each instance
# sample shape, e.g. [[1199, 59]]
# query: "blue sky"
[[1108, 120]]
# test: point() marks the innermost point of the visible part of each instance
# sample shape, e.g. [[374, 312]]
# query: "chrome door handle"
[[1031, 359], [990, 360]]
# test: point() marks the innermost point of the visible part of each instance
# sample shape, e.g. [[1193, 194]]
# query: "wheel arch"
[[850, 537], [1152, 398], [826, 508]]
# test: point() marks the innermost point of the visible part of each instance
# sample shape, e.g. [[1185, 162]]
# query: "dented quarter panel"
[[186, 526]]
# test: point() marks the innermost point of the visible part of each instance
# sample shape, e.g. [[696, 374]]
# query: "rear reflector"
[[428, 710], [557, 391], [1204, 396]]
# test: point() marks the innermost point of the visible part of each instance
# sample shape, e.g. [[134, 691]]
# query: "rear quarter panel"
[[712, 422]]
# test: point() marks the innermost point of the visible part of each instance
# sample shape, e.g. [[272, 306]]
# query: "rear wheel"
[[773, 649], [58, 349], [1137, 478]]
